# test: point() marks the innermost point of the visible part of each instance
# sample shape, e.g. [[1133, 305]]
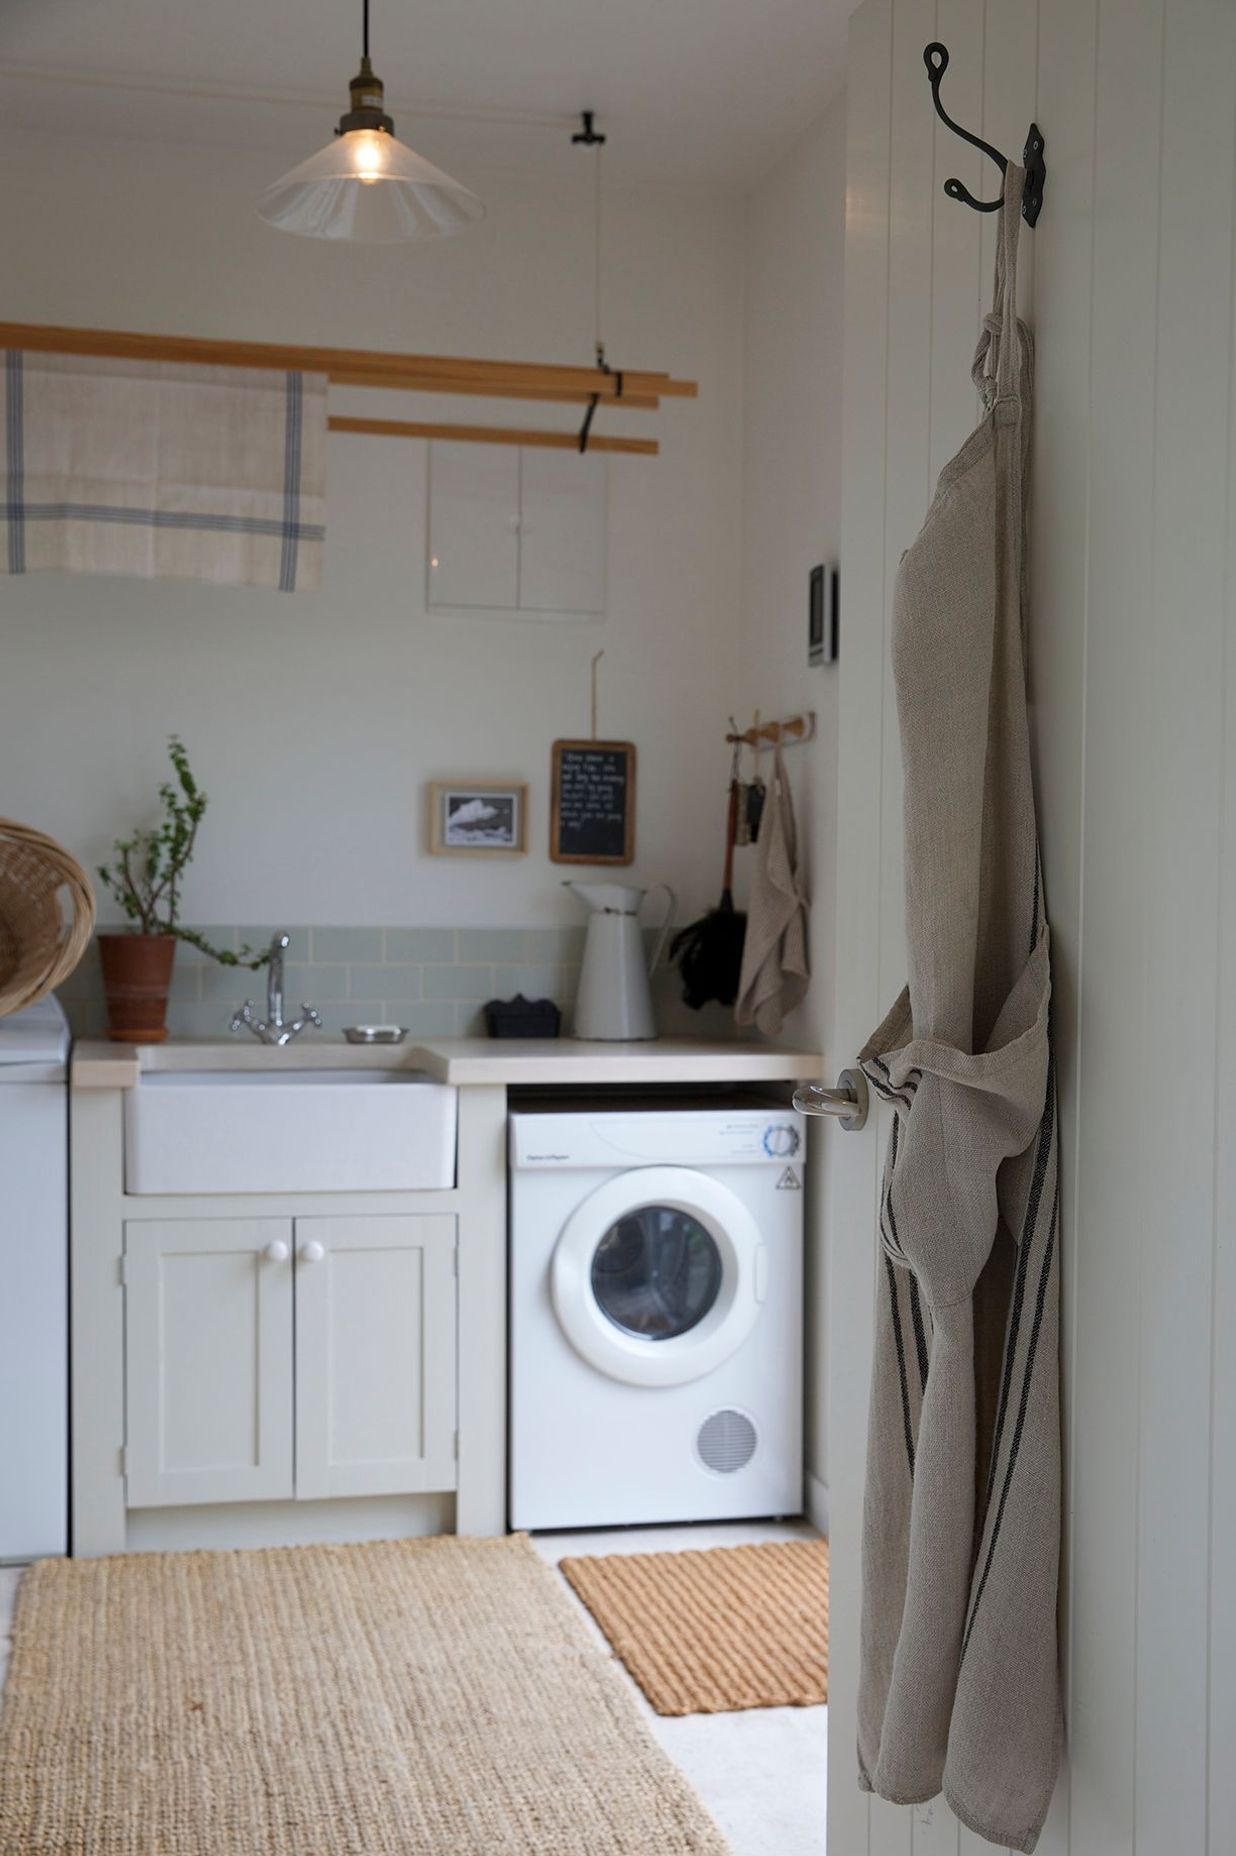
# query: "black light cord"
[[365, 13]]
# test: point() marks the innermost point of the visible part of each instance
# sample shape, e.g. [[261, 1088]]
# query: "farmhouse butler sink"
[[289, 1131]]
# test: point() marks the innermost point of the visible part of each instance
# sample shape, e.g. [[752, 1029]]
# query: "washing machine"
[[656, 1315]]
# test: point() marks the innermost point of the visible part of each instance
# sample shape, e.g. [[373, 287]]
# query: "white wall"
[[314, 720], [1133, 675], [791, 519]]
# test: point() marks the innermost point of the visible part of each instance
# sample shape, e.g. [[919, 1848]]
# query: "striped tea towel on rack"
[[162, 470]]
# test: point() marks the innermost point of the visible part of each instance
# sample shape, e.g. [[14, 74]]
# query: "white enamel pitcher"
[[614, 1002]]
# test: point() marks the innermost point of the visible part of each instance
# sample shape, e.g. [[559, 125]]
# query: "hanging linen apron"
[[961, 1527]]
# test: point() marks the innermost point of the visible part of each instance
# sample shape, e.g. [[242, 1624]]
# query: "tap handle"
[[312, 1014], [242, 1016]]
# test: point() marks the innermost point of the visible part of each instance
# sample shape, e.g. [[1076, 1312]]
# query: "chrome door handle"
[[847, 1102]]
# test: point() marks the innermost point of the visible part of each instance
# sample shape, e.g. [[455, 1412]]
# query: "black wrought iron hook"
[[935, 57]]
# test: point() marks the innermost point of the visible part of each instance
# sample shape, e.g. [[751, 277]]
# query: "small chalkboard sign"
[[592, 816]]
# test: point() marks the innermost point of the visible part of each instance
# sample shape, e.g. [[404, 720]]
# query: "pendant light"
[[366, 185]]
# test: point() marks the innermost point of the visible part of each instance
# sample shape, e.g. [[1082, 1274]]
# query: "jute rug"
[[417, 1698], [710, 1632]]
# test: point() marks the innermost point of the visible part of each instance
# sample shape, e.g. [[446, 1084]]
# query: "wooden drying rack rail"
[[633, 389]]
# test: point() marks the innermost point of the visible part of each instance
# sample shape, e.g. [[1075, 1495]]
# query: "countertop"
[[462, 1061]]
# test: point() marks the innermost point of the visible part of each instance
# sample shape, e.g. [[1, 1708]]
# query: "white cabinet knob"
[[276, 1251], [312, 1252]]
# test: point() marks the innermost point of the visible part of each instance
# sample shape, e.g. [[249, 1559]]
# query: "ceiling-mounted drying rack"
[[634, 390], [935, 57], [780, 734]]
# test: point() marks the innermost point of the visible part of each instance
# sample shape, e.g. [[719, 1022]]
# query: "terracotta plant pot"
[[137, 971]]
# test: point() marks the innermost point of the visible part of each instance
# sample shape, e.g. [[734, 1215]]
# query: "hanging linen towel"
[[162, 470], [774, 955], [958, 1682]]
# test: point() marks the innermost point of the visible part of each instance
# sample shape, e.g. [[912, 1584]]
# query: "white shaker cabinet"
[[271, 1358], [561, 532], [516, 529], [375, 1355], [208, 1360], [473, 525], [270, 1368]]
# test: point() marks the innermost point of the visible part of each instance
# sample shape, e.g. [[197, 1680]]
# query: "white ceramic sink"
[[289, 1131]]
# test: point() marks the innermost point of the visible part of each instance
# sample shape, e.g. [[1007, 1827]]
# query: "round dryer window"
[[656, 1272], [657, 1278]]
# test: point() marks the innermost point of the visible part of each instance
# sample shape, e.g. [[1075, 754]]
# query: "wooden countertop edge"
[[465, 1062], [104, 1066]]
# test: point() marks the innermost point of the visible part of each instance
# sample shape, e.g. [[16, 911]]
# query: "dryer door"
[[658, 1276]]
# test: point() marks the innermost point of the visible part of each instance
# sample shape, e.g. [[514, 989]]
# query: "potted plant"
[[145, 877]]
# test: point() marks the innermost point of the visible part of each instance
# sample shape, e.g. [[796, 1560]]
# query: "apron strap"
[[997, 362]]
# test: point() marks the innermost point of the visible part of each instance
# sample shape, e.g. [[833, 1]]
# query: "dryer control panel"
[[666, 1137]]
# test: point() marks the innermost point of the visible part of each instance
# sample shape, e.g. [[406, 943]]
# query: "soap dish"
[[375, 1034]]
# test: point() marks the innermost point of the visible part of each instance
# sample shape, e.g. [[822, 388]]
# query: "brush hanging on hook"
[[742, 822], [756, 794]]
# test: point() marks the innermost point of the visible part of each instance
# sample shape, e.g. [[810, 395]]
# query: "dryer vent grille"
[[726, 1441]]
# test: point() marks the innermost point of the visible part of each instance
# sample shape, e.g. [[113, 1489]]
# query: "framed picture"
[[822, 607], [478, 818]]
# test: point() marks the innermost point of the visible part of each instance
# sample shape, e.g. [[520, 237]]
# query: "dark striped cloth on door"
[[961, 1531]]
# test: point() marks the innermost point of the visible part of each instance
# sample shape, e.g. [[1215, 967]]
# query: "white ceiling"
[[698, 91]]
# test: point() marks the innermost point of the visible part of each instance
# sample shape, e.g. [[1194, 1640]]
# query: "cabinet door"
[[208, 1360], [562, 531], [375, 1355], [473, 525]]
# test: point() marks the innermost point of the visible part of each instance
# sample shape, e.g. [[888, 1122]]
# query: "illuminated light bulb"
[[366, 154], [332, 195]]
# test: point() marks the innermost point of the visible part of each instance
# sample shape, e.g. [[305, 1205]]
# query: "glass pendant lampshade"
[[366, 185]]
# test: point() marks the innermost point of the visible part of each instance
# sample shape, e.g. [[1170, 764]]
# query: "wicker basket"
[[41, 941]]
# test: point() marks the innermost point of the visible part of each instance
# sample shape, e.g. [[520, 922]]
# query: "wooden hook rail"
[[634, 390], [785, 733]]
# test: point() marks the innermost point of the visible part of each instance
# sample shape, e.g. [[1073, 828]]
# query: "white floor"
[[761, 1772]]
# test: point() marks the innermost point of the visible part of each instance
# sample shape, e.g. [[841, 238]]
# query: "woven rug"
[[415, 1698], [711, 1632]]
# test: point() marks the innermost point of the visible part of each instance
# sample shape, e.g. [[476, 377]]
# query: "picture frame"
[[478, 818], [822, 614]]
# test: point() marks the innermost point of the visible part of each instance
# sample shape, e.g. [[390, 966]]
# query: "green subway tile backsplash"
[[489, 945], [433, 980], [554, 944], [347, 944], [419, 944], [396, 980], [459, 983]]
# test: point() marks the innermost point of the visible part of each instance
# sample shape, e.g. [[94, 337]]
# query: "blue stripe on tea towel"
[[291, 483], [14, 446], [165, 518]]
